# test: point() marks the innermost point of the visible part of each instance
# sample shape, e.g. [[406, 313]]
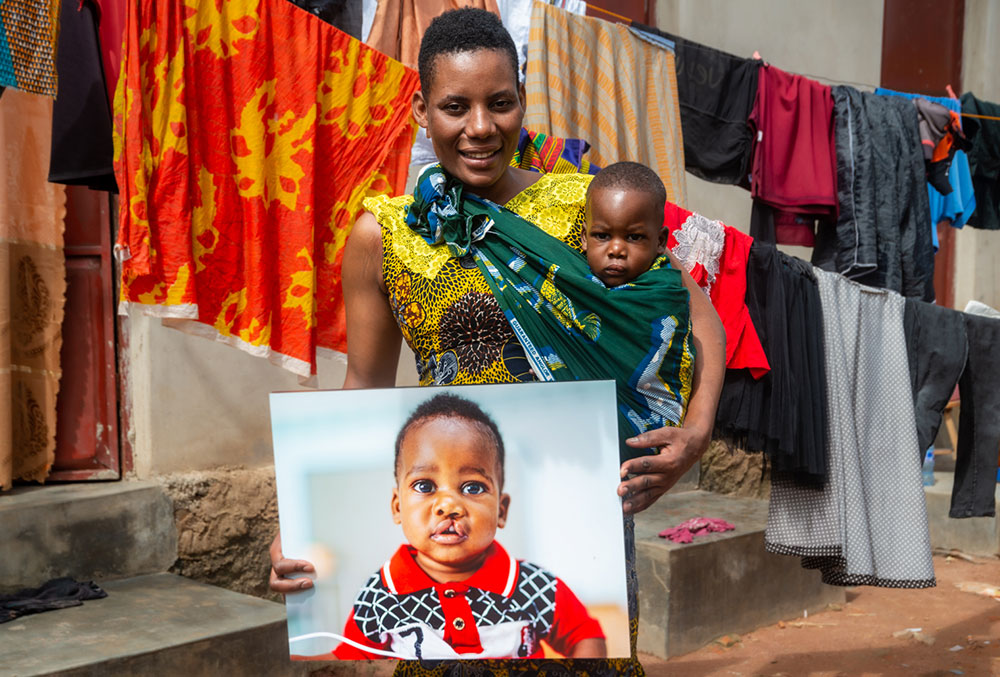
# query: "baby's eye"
[[474, 488], [423, 486], [635, 237], [600, 237]]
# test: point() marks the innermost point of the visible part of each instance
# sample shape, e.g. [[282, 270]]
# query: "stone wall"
[[226, 519], [727, 469]]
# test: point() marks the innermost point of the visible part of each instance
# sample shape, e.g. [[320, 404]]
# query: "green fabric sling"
[[572, 326]]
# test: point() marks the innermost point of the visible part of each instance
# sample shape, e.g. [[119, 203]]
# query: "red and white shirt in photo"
[[501, 611]]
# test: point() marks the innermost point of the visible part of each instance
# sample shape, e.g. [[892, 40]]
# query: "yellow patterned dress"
[[443, 305], [459, 335]]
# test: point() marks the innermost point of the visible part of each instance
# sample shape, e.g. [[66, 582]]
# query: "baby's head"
[[624, 230], [449, 485]]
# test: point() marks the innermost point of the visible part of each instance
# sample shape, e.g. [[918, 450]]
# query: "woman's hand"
[[281, 568], [652, 476]]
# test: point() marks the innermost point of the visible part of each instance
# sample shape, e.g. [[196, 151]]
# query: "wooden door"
[[87, 407]]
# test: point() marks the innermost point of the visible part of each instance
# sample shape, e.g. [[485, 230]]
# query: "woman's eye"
[[423, 486], [474, 488]]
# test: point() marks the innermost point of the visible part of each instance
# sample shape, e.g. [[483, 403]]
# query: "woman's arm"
[[681, 447], [373, 341]]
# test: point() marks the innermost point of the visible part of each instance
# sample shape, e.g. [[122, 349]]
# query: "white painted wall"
[[977, 252], [198, 404]]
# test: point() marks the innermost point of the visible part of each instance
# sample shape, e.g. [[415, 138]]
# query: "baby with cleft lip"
[[452, 591]]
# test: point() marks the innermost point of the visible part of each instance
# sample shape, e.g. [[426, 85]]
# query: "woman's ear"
[[523, 96], [419, 105]]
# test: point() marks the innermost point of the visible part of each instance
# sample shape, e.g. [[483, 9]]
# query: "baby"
[[452, 591], [624, 231]]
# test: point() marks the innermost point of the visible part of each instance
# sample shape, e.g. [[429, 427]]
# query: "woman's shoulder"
[[555, 203], [388, 210], [401, 242]]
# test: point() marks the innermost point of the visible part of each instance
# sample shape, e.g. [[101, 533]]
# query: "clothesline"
[[624, 19]]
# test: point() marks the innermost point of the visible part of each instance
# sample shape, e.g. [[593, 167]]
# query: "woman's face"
[[473, 112]]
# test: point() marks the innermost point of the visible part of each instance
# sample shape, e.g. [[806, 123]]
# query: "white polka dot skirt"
[[867, 524]]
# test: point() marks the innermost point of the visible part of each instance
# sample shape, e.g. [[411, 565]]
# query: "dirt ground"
[[943, 631]]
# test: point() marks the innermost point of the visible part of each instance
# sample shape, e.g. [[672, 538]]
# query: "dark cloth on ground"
[[716, 92], [59, 593], [937, 349], [82, 150], [783, 413], [882, 237], [984, 160], [978, 423]]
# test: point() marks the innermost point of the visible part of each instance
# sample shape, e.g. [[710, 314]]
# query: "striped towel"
[[591, 79]]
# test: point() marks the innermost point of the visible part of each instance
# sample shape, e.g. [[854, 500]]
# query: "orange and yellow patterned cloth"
[[247, 133], [29, 33]]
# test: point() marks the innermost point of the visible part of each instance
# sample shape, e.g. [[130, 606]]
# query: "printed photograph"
[[453, 522]]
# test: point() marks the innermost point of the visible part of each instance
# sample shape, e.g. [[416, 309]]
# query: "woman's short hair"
[[463, 30]]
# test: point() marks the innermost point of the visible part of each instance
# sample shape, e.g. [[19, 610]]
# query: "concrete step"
[[99, 530], [972, 535], [691, 594], [160, 624]]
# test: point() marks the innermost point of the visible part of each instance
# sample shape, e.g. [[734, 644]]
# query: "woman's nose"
[[480, 122]]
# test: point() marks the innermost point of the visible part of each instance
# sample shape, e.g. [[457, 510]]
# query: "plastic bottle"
[[928, 469]]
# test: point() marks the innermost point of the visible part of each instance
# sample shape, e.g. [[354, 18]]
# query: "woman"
[[397, 286]]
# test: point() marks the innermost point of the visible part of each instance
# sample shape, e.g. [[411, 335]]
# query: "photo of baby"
[[533, 464]]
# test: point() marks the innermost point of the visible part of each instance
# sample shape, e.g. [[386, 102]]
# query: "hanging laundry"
[[937, 347], [941, 136], [716, 256], [978, 423], [784, 412], [882, 236], [620, 93], [516, 17], [82, 148], [984, 160], [545, 154], [32, 288], [794, 165], [343, 14], [29, 31], [958, 204], [399, 25], [235, 209], [868, 524], [110, 31], [716, 93]]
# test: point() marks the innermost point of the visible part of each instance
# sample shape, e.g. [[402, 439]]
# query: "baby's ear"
[[396, 514], [661, 242], [583, 240], [504, 507]]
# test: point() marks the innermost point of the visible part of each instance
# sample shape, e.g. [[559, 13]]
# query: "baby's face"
[[624, 234], [448, 496]]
